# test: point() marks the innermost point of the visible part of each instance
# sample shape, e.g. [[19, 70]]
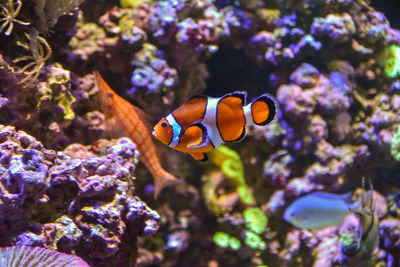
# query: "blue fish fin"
[[345, 197]]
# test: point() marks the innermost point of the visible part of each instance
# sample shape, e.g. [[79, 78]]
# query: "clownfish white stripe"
[[211, 123], [247, 114], [176, 130]]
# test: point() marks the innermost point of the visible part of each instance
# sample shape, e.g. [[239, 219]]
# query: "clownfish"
[[202, 123], [123, 117]]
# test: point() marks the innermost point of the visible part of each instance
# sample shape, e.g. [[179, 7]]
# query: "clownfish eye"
[[164, 124]]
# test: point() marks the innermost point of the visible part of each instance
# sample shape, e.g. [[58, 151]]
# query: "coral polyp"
[[40, 52], [9, 15]]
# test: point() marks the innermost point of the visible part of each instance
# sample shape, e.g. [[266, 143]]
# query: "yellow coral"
[[232, 167]]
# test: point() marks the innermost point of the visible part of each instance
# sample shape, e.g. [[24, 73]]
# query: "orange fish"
[[202, 123], [124, 117]]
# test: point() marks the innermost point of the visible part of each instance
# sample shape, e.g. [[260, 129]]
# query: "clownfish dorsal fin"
[[197, 134], [199, 156], [195, 98], [242, 95], [195, 107]]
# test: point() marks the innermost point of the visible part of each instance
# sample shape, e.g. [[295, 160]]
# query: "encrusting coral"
[[79, 199]]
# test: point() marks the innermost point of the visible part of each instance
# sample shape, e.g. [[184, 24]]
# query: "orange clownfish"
[[123, 117], [202, 123]]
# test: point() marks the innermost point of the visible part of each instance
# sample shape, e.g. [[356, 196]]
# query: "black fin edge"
[[271, 103], [203, 129], [240, 138], [194, 97], [205, 157], [240, 94]]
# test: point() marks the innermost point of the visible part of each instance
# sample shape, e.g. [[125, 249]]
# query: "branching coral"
[[9, 16], [40, 53]]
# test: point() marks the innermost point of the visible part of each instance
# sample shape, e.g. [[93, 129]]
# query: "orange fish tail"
[[261, 110], [162, 180]]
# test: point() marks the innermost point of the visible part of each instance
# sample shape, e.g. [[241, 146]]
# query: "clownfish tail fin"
[[261, 110], [165, 179]]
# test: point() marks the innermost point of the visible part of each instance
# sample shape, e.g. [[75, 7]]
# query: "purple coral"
[[83, 194], [337, 28], [163, 21], [152, 73]]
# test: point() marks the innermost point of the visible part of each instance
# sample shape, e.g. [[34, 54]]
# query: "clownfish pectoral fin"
[[263, 109], [199, 156], [197, 136]]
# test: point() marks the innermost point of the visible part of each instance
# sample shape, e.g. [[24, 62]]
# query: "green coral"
[[221, 239], [395, 145], [234, 243], [224, 240], [346, 239], [232, 167], [255, 220], [253, 240], [389, 59]]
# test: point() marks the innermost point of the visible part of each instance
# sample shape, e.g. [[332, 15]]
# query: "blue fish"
[[319, 210]]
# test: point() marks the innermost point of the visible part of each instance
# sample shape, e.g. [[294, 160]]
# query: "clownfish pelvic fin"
[[199, 156]]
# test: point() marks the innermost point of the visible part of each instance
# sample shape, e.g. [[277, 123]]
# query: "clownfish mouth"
[[154, 133]]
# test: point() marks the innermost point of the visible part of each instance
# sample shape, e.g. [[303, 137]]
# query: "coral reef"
[[79, 199]]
